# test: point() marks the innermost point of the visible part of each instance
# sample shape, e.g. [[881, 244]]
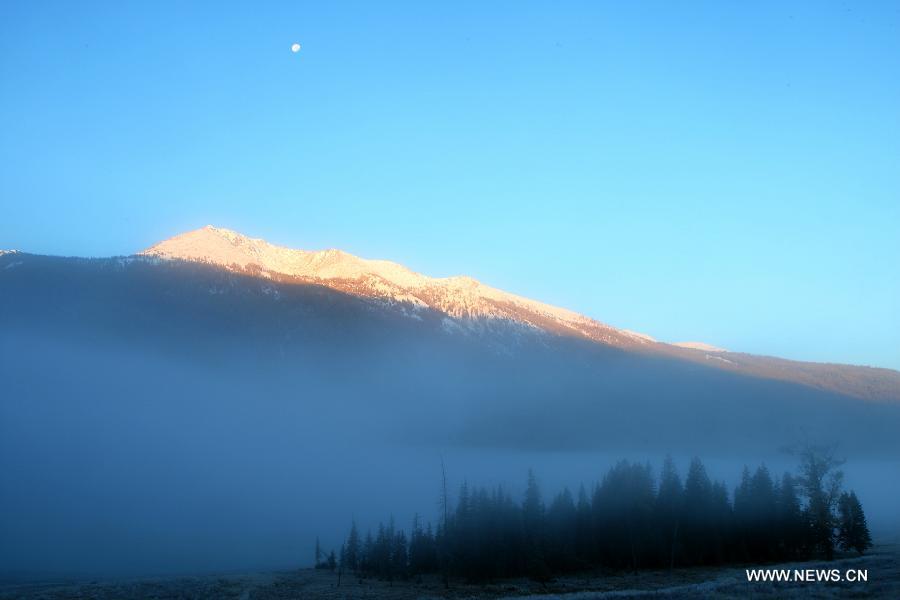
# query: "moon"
[[295, 47]]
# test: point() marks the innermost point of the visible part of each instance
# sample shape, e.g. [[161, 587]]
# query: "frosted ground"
[[883, 566]]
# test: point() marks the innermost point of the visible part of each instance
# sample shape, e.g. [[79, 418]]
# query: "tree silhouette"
[[533, 522], [584, 538], [352, 548], [790, 520], [698, 507], [629, 521], [319, 564], [669, 508], [853, 531], [561, 533], [820, 480], [756, 514]]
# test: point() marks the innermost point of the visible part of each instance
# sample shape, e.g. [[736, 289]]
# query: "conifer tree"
[[761, 538], [584, 529], [743, 515], [853, 531], [628, 523], [367, 559], [399, 556], [668, 510], [533, 521], [352, 549], [698, 505], [790, 528], [561, 526], [720, 526]]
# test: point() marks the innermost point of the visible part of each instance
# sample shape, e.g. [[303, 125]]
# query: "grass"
[[883, 565]]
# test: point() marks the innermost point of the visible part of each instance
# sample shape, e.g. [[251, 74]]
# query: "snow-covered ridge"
[[2, 252], [699, 346], [457, 297]]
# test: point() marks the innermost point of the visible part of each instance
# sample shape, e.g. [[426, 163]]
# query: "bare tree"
[[821, 480]]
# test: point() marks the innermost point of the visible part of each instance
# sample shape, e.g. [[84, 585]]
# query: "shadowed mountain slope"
[[467, 304], [474, 380]]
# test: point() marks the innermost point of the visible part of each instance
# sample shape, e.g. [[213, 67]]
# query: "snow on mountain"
[[642, 336], [463, 306], [14, 263], [699, 346], [463, 299]]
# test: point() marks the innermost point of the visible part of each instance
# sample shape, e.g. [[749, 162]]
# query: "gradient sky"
[[726, 171]]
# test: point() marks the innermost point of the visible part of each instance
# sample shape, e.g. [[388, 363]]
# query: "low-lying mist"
[[116, 462], [154, 423]]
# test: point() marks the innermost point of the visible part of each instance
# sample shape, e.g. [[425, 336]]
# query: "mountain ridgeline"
[[216, 388], [486, 367], [482, 367], [468, 305]]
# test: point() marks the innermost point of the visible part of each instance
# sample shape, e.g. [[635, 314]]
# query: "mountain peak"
[[233, 250], [457, 297], [218, 230]]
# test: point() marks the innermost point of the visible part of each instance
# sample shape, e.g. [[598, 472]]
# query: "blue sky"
[[726, 171]]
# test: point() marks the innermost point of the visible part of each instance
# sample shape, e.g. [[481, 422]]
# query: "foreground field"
[[883, 566]]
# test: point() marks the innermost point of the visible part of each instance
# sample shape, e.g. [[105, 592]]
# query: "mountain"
[[463, 362], [466, 305], [700, 346], [216, 402], [500, 369]]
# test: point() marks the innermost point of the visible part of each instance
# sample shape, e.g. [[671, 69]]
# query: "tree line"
[[630, 520]]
